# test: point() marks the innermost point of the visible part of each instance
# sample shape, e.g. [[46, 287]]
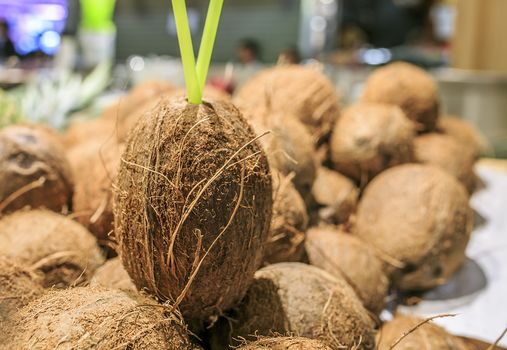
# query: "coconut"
[[302, 92], [286, 343], [419, 216], [305, 300], [448, 154], [195, 188], [369, 138], [335, 195], [432, 336], [288, 223], [463, 132], [34, 170], [112, 275], [52, 244], [342, 254], [18, 286], [94, 318], [409, 87]]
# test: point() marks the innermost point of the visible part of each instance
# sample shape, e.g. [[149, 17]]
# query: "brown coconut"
[[95, 318], [34, 171], [286, 343], [410, 88], [419, 217], [304, 300], [369, 138], [463, 132], [447, 153], [336, 196], [18, 286], [344, 255], [112, 275], [299, 91], [428, 335], [62, 250], [288, 223], [195, 188]]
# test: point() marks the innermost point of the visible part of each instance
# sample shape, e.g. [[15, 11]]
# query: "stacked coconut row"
[[339, 209]]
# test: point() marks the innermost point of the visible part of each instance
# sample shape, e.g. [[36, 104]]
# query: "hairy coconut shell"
[[428, 336], [408, 87], [336, 196], [463, 132], [80, 132], [58, 247], [95, 318], [419, 216], [448, 154], [369, 138], [302, 92], [286, 343], [112, 275], [193, 205], [344, 255], [305, 300], [18, 286], [288, 223], [34, 171]]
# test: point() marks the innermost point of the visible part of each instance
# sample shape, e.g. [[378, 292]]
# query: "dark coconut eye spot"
[[409, 268], [23, 160], [437, 271]]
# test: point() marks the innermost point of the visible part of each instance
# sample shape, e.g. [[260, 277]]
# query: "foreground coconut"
[[448, 154], [342, 254], [463, 132], [34, 171], [194, 186], [302, 92], [305, 300], [288, 223], [94, 318], [112, 275], [432, 336], [286, 343], [63, 251], [408, 87], [18, 286], [336, 196], [419, 216], [369, 138]]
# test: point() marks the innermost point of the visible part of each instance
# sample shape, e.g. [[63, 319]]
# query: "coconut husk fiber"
[[335, 196], [62, 250], [286, 343], [34, 171], [463, 132], [448, 154], [112, 275], [302, 92], [295, 298], [288, 223], [410, 88], [344, 255], [94, 318], [427, 335], [419, 218], [18, 286], [209, 93], [369, 138], [193, 203]]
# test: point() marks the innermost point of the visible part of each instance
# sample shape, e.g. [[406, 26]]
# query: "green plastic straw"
[[187, 52], [208, 41], [97, 14]]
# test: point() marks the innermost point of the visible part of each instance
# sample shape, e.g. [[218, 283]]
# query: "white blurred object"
[[66, 57], [443, 17], [96, 46]]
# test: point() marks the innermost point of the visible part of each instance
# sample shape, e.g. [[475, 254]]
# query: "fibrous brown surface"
[[419, 216], [95, 318], [112, 275], [426, 336], [343, 254], [369, 138], [463, 132], [408, 87], [193, 205], [286, 343], [34, 171], [302, 92], [52, 244]]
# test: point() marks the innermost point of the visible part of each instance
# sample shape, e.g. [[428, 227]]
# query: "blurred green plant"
[[10, 111]]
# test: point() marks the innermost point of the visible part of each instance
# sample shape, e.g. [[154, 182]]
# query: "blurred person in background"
[[289, 56], [6, 45], [249, 53]]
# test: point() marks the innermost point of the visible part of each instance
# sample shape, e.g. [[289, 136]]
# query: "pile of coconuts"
[[272, 219]]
